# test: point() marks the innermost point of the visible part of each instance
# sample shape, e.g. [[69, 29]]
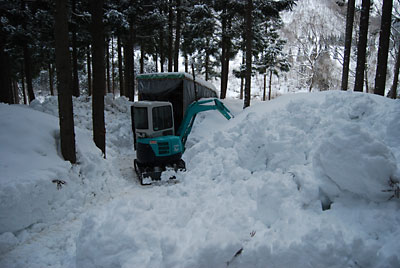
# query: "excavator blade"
[[149, 175]]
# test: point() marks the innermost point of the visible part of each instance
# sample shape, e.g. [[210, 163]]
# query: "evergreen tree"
[[200, 42], [178, 27], [272, 59], [256, 11], [97, 32], [347, 43], [362, 45], [170, 34], [249, 41], [384, 38], [229, 18], [75, 77]]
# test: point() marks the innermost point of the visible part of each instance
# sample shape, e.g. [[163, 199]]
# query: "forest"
[[98, 47], [207, 34]]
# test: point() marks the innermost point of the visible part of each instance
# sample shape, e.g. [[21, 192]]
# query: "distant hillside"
[[314, 31]]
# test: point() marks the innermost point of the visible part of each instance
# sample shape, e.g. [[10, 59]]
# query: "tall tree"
[[362, 45], [89, 70], [108, 80], [249, 54], [384, 39], [120, 68], [51, 87], [64, 79], [170, 35], [272, 59], [5, 77], [129, 63], [27, 54], [75, 77], [177, 34], [97, 32], [225, 45], [28, 72], [261, 9], [347, 43], [200, 41], [230, 22]]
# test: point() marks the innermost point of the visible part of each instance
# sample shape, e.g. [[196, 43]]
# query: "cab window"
[[140, 117], [162, 118]]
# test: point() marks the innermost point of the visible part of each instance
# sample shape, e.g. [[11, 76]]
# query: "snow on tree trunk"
[[64, 82], [97, 29]]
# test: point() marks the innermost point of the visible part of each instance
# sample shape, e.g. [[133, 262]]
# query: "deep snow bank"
[[259, 182], [31, 164], [31, 161]]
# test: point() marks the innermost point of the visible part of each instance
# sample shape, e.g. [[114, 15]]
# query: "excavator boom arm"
[[195, 108]]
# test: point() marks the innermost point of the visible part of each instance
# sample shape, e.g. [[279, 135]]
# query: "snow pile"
[[36, 183], [117, 117], [295, 182], [37, 187]]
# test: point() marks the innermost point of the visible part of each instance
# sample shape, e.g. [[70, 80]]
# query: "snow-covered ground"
[[294, 182]]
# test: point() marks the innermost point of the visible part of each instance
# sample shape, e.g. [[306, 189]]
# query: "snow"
[[294, 182]]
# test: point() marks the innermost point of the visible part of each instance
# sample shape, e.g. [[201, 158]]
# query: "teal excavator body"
[[157, 145]]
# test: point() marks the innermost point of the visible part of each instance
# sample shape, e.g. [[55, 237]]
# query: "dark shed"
[[177, 88]]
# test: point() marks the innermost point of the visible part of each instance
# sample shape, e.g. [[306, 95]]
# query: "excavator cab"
[[152, 119]]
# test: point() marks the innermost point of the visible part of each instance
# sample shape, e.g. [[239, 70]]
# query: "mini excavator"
[[158, 146]]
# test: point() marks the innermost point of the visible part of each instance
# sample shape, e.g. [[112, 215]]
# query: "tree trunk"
[[270, 85], [23, 84], [89, 70], [223, 53], [129, 67], [249, 41], [51, 87], [126, 71], [366, 82], [12, 93], [162, 55], [108, 65], [265, 87], [207, 63], [362, 45], [384, 39], [170, 35], [177, 35], [75, 83], [112, 66], [141, 59], [5, 77], [120, 69], [155, 59], [347, 43], [186, 63], [225, 57], [242, 78], [16, 92], [393, 90], [97, 32], [28, 73], [64, 82]]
